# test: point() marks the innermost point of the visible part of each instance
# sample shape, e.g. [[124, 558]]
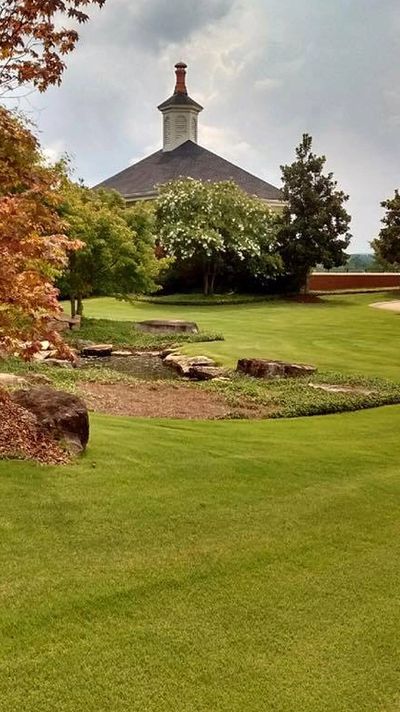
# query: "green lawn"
[[341, 333], [214, 566]]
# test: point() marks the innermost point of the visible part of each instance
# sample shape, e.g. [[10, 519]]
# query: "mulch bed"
[[21, 437], [162, 400]]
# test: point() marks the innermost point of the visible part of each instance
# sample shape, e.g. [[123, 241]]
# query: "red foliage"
[[32, 244], [31, 45]]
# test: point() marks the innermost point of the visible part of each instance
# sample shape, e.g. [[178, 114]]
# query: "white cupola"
[[180, 113]]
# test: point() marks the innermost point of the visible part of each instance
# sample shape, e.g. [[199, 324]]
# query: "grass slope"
[[205, 566], [341, 333]]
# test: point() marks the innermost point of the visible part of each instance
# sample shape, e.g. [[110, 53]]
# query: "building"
[[181, 156]]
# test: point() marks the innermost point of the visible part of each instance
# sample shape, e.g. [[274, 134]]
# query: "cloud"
[[265, 71]]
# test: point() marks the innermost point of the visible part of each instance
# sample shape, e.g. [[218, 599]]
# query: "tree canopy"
[[117, 255], [32, 44], [313, 226], [213, 226], [387, 244]]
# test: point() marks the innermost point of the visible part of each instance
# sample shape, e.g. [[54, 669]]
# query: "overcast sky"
[[266, 71]]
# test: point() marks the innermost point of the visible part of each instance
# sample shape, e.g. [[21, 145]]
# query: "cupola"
[[180, 113]]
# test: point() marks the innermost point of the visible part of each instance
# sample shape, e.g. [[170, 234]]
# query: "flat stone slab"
[[183, 364], [168, 325], [97, 350], [262, 368]]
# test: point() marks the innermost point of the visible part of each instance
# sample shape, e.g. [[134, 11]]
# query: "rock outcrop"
[[183, 364], [261, 368]]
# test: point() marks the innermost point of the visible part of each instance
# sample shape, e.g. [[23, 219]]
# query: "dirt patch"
[[163, 400]]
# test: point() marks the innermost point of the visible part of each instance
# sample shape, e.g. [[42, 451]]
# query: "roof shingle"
[[187, 160]]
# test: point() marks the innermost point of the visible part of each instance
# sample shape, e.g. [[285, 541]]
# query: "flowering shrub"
[[214, 225]]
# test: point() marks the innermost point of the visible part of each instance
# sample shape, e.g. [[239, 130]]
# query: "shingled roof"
[[187, 160]]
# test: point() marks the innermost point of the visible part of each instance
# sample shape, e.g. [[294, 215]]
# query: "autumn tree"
[[33, 41], [314, 224], [387, 244], [117, 255], [212, 226], [33, 248]]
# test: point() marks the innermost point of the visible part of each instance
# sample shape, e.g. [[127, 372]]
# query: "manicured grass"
[[214, 566], [341, 333], [219, 567]]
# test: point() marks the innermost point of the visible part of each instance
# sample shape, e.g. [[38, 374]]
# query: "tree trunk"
[[205, 282], [73, 306], [79, 309], [212, 279]]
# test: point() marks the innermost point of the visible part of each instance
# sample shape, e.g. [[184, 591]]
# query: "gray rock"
[[261, 368], [97, 350], [182, 363]]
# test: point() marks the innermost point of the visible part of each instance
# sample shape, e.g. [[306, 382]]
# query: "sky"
[[266, 71]]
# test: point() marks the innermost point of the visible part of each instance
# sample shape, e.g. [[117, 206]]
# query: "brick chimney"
[[180, 71]]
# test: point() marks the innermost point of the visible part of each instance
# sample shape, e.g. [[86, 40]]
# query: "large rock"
[[97, 350], [168, 325], [183, 364], [63, 322], [61, 414], [261, 368]]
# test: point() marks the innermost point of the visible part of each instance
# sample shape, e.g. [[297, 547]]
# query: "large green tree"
[[117, 256], [212, 226], [387, 244], [313, 228]]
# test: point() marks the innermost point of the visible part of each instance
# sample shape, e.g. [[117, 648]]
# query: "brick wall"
[[326, 282]]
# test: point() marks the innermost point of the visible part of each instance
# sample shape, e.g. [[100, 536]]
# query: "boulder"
[[182, 363], [10, 379], [261, 368], [207, 373], [168, 325], [97, 350], [61, 414], [63, 322]]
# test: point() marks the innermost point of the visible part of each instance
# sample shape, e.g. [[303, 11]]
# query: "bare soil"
[[163, 400]]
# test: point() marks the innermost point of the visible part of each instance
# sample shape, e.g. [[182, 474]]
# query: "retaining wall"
[[332, 281]]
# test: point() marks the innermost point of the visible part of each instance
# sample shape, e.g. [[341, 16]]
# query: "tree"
[[313, 226], [33, 248], [387, 244], [213, 225], [31, 44], [117, 256]]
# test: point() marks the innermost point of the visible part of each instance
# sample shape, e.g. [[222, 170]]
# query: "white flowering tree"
[[212, 225]]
